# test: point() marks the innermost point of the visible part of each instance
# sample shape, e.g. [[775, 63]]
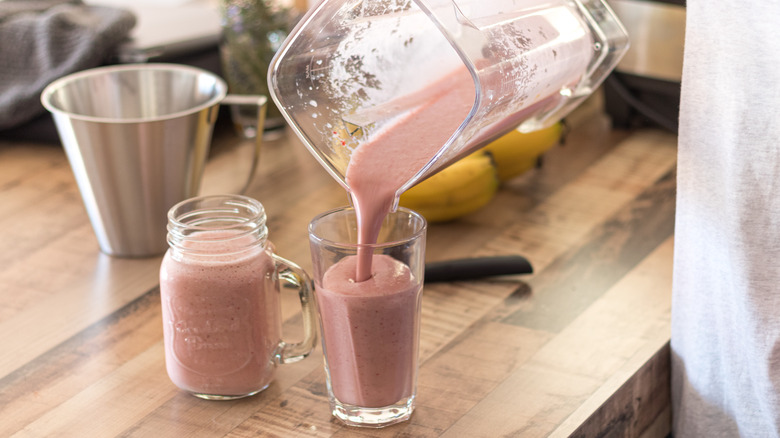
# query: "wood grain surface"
[[579, 348]]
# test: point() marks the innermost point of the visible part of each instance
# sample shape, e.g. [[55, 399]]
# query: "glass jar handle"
[[296, 276], [251, 100]]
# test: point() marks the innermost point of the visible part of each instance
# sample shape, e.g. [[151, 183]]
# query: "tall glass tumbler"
[[370, 329]]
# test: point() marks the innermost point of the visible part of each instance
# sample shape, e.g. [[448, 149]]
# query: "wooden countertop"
[[579, 348]]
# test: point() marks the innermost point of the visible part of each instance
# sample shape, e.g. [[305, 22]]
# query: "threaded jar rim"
[[241, 221]]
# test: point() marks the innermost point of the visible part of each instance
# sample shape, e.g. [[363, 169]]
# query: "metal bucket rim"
[[50, 90]]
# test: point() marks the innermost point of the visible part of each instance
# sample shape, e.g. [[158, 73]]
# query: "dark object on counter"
[[474, 268], [644, 88]]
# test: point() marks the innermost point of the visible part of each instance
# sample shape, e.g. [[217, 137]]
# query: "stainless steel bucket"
[[137, 138]]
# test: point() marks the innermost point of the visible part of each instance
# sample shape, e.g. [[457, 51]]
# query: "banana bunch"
[[463, 187], [518, 152], [470, 183]]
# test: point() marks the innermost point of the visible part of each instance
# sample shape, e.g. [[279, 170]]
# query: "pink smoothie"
[[370, 331], [368, 302], [220, 321]]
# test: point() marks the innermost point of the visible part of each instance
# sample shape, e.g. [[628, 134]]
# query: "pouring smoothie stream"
[[380, 167]]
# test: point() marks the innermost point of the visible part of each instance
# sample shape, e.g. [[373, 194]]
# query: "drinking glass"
[[370, 329]]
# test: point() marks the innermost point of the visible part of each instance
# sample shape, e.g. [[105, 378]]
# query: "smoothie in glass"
[[370, 333]]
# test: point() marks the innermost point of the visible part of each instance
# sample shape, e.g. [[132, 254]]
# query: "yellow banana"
[[517, 152], [463, 187]]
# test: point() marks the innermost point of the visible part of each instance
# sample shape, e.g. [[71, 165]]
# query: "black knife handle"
[[477, 267]]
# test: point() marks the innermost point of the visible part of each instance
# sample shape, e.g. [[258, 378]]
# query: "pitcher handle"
[[296, 276], [261, 102]]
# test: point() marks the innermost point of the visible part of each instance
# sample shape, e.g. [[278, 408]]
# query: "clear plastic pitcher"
[[353, 69]]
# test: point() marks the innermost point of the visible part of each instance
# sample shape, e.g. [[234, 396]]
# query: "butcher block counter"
[[578, 348]]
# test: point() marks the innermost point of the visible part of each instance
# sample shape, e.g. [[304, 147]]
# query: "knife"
[[476, 267]]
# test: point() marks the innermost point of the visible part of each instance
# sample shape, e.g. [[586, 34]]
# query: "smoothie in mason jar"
[[221, 320]]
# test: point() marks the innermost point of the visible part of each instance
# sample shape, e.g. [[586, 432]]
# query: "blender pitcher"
[[354, 69]]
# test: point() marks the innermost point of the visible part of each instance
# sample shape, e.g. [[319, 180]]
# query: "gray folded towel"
[[42, 40]]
